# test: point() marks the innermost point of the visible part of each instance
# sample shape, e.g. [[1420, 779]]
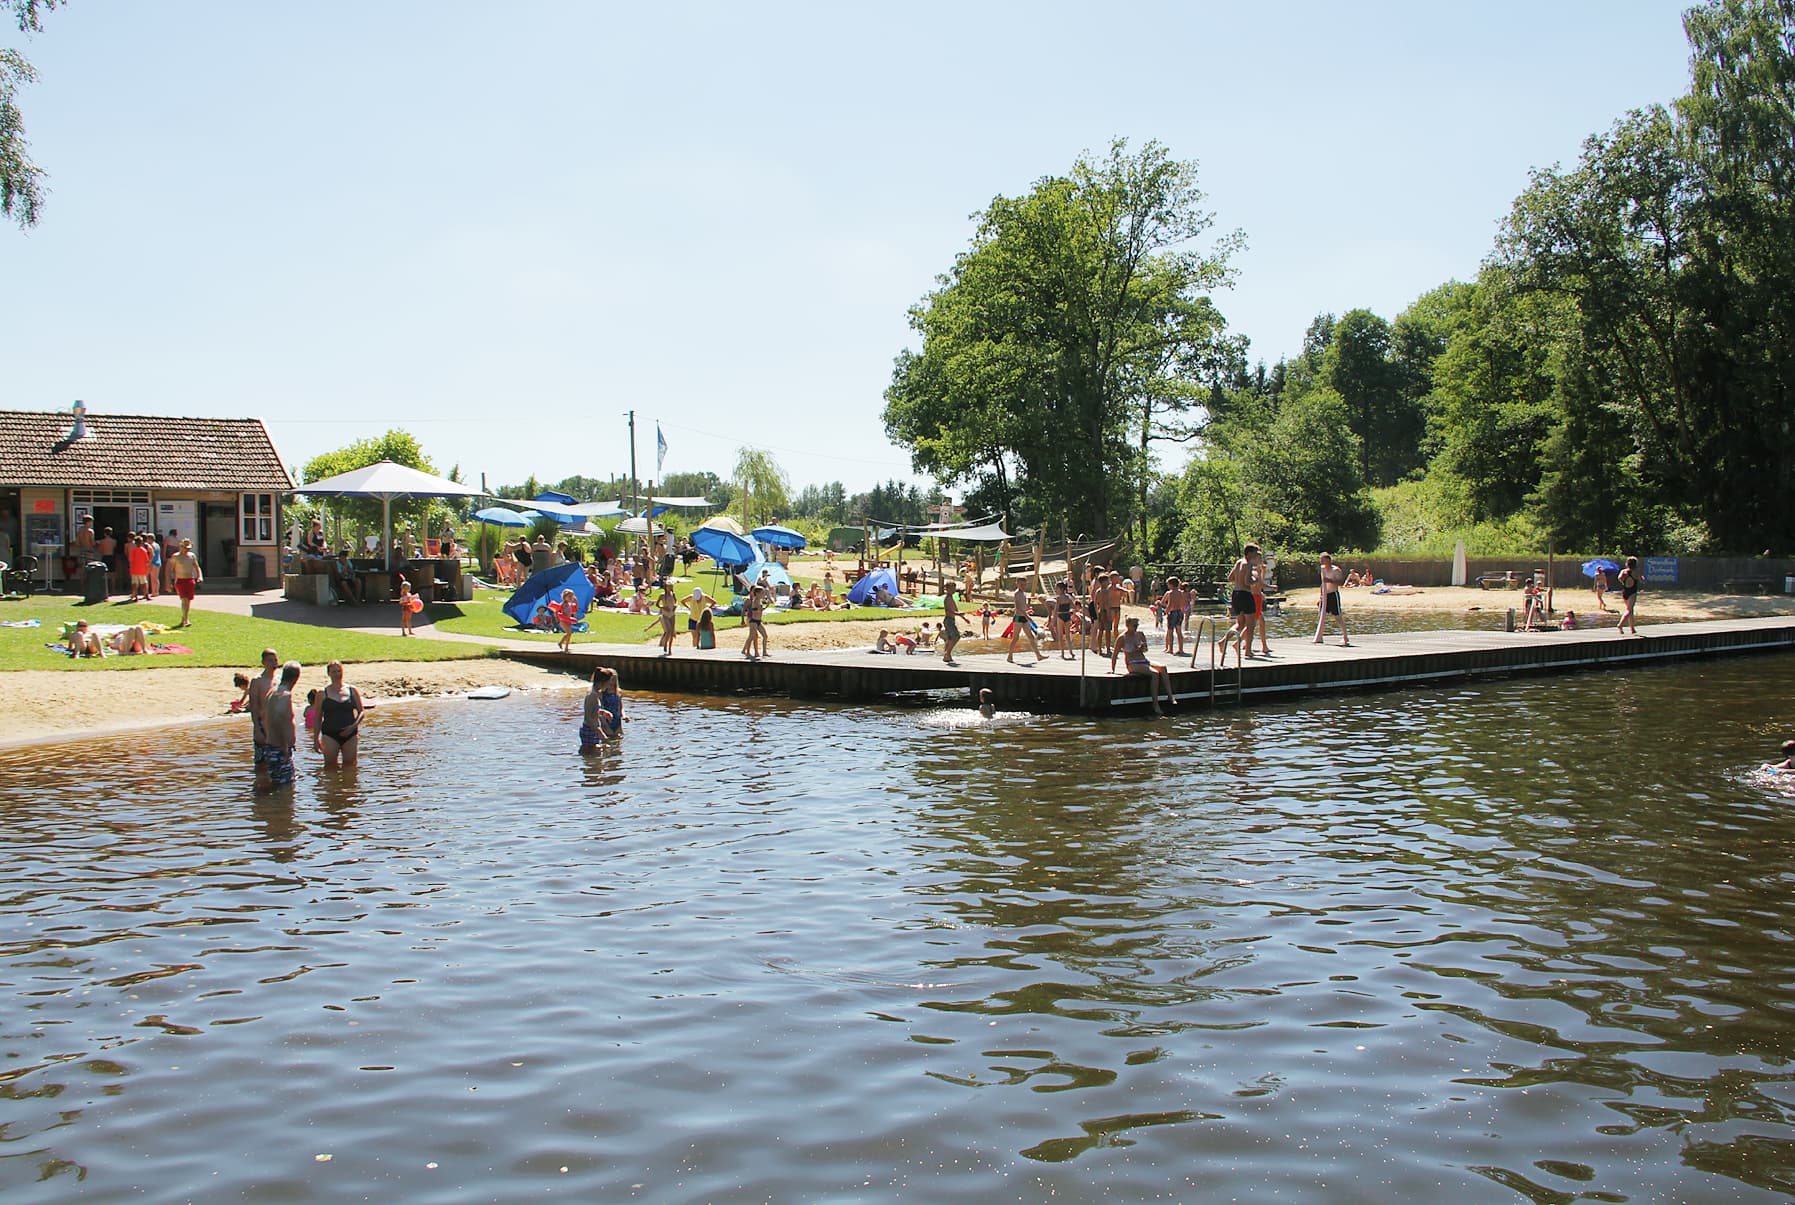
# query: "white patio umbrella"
[[388, 482]]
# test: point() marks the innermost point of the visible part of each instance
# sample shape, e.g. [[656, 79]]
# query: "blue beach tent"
[[546, 587], [866, 587], [776, 573]]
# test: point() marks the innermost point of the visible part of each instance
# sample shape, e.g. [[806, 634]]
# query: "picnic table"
[[1506, 580]]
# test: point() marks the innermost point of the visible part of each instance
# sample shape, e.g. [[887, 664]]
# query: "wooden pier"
[[1297, 666]]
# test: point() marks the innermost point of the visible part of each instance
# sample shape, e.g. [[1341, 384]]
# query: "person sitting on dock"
[[883, 643], [1133, 646]]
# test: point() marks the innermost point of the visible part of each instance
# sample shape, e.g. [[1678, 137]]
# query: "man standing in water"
[[259, 690], [277, 722], [950, 623], [1329, 601]]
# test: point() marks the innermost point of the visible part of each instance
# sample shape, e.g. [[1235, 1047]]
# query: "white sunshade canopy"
[[388, 482]]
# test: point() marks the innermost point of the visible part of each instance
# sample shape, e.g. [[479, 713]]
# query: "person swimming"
[[1787, 764]]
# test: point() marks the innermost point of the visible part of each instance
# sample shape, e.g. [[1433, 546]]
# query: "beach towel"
[[21, 623]]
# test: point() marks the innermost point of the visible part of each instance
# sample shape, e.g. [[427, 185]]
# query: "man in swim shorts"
[[1176, 602], [277, 723], [1242, 611], [1022, 626], [259, 690], [187, 576], [1329, 601]]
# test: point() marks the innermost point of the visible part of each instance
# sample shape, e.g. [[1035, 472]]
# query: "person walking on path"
[[1629, 581], [340, 709], [950, 623], [1132, 644], [187, 577], [1600, 586], [1328, 603], [1022, 624], [281, 731]]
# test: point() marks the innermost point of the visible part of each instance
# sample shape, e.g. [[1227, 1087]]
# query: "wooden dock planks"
[[1297, 667]]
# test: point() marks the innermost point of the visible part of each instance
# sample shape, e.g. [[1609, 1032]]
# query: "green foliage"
[[1427, 518], [764, 487], [1287, 479], [349, 519], [1067, 338]]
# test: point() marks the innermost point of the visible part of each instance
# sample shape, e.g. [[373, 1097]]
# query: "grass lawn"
[[216, 639], [484, 617]]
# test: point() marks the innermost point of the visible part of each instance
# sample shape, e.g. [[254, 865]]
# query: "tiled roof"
[[138, 451]]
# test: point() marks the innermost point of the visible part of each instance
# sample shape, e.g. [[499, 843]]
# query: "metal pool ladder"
[[1215, 684]]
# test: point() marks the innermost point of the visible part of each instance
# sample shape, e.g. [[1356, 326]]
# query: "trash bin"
[[93, 582], [255, 575], [1789, 585]]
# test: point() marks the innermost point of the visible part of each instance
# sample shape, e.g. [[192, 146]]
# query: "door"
[[180, 518], [218, 526]]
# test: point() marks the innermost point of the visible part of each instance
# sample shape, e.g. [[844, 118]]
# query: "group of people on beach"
[[145, 563], [331, 718]]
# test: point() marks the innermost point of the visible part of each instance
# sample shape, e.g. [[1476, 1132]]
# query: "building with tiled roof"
[[216, 481]]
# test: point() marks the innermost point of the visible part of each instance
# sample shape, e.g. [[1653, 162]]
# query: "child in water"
[[1787, 763], [311, 715], [986, 707], [602, 716]]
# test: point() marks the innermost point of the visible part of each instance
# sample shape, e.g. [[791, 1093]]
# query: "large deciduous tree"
[[21, 190], [1072, 334]]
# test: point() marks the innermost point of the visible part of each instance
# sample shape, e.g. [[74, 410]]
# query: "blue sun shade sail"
[[780, 537], [546, 587]]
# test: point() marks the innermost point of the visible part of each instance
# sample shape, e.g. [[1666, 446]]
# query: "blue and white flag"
[[660, 445]]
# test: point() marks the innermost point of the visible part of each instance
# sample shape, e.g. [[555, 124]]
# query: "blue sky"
[[502, 226]]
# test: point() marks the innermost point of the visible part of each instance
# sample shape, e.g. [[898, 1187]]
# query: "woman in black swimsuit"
[[339, 720], [1629, 591]]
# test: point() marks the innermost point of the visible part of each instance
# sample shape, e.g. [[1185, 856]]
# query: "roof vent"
[[79, 430]]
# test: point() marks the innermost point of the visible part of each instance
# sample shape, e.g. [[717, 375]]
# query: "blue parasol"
[[546, 587], [780, 537], [502, 516], [1600, 564], [723, 547]]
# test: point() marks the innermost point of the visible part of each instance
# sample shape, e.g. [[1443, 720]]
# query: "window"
[[256, 513]]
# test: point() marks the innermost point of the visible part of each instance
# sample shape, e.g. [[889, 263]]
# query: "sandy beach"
[[48, 704]]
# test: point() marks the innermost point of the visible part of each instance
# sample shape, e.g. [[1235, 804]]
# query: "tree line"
[[1617, 374]]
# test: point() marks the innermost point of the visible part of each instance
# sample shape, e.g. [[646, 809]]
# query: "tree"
[[21, 194], [764, 486], [363, 516], [1065, 339]]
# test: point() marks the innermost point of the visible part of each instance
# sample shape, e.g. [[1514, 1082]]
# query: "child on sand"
[[241, 682], [883, 644], [406, 599]]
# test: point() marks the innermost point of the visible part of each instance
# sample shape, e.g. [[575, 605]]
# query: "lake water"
[[1530, 940]]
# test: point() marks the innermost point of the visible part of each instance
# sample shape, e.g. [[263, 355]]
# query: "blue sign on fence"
[[1659, 570]]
